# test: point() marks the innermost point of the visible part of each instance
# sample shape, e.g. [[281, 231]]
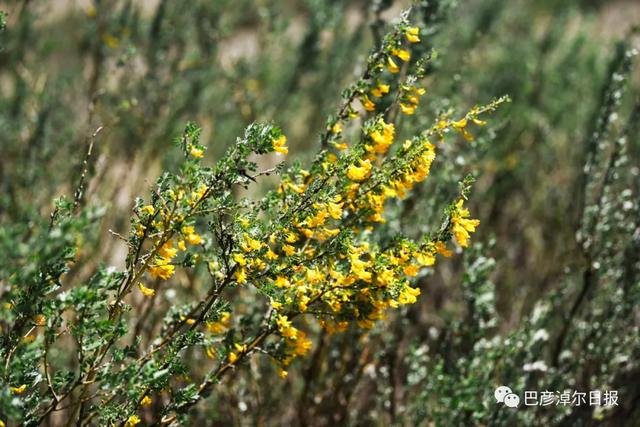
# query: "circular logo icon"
[[501, 392]]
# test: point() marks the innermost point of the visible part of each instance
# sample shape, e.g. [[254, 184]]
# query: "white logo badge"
[[504, 394]]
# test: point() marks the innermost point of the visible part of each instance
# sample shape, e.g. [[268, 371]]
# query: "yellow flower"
[[233, 358], [188, 321], [239, 259], [18, 390], [377, 137], [240, 276], [181, 245], [461, 125], [282, 282], [383, 139], [334, 210], [340, 145], [411, 270], [270, 255], [251, 244], [303, 303], [146, 401], [337, 128], [359, 268], [385, 277], [408, 109], [314, 276], [162, 269], [148, 209], [221, 325], [167, 250], [291, 237], [392, 66], [258, 264], [198, 194], [279, 145], [275, 304], [193, 239], [402, 54], [380, 90], [412, 34], [196, 152], [462, 225], [40, 320], [132, 421], [140, 230], [425, 259], [441, 248], [211, 353], [359, 173], [368, 104], [302, 344], [408, 295], [288, 249], [286, 328], [282, 373], [147, 292]]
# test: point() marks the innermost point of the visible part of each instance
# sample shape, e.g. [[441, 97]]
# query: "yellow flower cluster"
[[162, 267], [221, 325], [250, 258], [414, 172], [462, 224], [362, 282], [361, 286], [382, 137], [148, 209], [314, 255], [394, 51], [361, 172], [297, 341], [410, 99]]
